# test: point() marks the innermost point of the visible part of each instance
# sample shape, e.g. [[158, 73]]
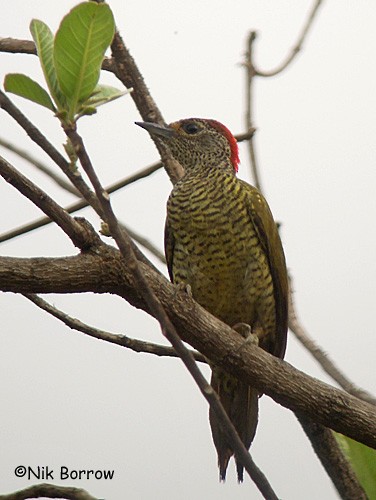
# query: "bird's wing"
[[169, 243], [266, 228]]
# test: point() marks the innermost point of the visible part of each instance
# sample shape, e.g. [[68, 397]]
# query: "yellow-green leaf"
[[103, 94], [363, 461], [44, 42], [24, 86], [80, 43]]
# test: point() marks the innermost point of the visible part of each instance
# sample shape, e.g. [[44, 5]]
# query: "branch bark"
[[321, 357], [125, 68], [102, 270], [135, 345], [298, 45], [49, 491], [75, 229]]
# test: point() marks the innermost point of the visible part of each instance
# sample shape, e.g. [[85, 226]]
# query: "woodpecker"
[[222, 241]]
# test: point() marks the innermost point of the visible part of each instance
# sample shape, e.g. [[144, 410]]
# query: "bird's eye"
[[190, 128]]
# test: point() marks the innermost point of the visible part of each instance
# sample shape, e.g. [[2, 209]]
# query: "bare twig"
[[36, 136], [75, 230], [72, 173], [124, 243], [323, 358], [139, 346], [145, 242], [39, 165], [74, 207], [49, 491], [249, 110], [332, 459], [126, 70], [252, 71], [297, 47], [16, 46]]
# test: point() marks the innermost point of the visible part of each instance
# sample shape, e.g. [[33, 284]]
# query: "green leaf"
[[24, 86], [80, 43], [103, 94], [44, 41], [363, 461]]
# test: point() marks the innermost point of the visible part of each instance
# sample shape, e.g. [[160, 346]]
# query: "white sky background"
[[71, 400]]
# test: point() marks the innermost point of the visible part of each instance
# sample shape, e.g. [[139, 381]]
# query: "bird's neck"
[[210, 170]]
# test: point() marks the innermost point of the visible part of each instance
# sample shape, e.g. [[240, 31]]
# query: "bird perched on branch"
[[222, 241]]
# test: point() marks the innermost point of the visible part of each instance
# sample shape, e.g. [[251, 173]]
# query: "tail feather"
[[241, 404]]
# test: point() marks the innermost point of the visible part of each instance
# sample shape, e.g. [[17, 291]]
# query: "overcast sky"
[[69, 400]]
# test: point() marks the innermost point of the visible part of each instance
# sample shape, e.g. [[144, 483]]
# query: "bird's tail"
[[241, 404]]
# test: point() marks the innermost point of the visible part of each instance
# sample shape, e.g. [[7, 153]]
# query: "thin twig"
[[35, 135], [125, 68], [72, 173], [39, 165], [252, 71], [76, 231], [145, 242], [139, 346], [323, 358], [74, 207], [249, 111], [49, 491], [124, 243], [297, 47], [16, 46]]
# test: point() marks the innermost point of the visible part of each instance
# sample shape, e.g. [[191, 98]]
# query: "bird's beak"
[[154, 129]]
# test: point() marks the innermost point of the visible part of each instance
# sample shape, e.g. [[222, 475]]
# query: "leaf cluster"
[[71, 62]]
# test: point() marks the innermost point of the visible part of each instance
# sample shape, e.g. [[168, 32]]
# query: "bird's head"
[[196, 142]]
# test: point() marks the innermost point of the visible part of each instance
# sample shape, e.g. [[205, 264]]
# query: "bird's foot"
[[184, 287], [251, 337], [246, 332]]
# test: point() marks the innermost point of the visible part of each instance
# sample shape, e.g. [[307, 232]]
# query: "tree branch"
[[74, 207], [49, 491], [126, 70], [22, 153], [104, 271], [250, 72], [321, 357], [15, 46], [297, 47], [139, 346], [77, 232], [36, 136]]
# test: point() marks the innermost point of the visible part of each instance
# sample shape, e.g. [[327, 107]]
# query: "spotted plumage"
[[221, 239]]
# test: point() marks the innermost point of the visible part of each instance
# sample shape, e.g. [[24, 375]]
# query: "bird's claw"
[[184, 287], [246, 332]]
